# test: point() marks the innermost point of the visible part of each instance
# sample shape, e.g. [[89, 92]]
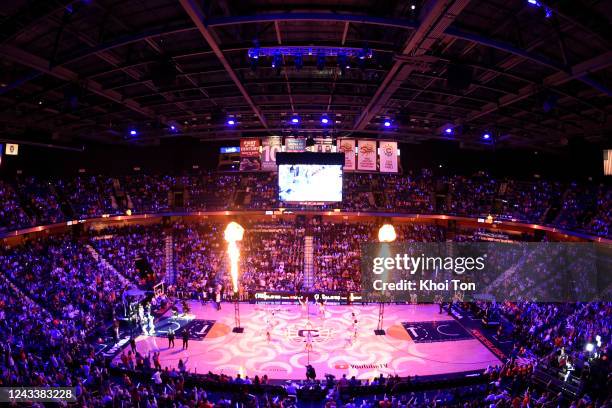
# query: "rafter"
[[197, 16], [65, 74], [437, 16]]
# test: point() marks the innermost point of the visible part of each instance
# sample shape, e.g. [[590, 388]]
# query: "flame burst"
[[386, 233], [233, 233]]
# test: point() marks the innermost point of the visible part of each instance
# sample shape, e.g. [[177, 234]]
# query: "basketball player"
[[354, 325], [151, 324], [322, 305], [304, 303], [269, 325], [308, 341]]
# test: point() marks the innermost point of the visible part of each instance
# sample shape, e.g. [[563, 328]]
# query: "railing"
[[473, 221]]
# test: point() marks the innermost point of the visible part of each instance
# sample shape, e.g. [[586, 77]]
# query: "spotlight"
[[231, 122], [413, 7], [386, 233], [533, 2], [448, 130], [299, 62], [343, 63], [486, 136], [172, 128], [277, 63], [547, 12], [590, 347], [365, 53], [324, 119], [133, 132], [387, 123], [253, 53], [321, 62], [295, 119]]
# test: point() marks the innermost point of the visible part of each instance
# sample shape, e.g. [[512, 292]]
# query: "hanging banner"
[[388, 157], [323, 145], [271, 145], [12, 149], [295, 144], [347, 146], [249, 154], [366, 156]]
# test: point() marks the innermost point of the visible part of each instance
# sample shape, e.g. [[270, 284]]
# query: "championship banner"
[[347, 146], [249, 154], [388, 157], [271, 145], [322, 145], [295, 144], [366, 156]]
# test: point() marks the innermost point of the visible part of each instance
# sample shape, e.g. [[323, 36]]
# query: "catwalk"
[[280, 340]]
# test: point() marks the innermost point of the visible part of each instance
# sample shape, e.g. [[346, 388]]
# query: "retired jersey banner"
[[366, 155], [388, 157], [271, 145], [249, 154], [347, 146], [295, 144]]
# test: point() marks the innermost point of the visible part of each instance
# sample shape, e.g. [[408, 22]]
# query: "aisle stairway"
[[308, 263], [170, 259], [106, 265]]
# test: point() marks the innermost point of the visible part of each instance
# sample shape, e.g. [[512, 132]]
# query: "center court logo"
[[302, 334]]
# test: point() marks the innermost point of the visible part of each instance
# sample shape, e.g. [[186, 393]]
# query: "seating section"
[[579, 207]]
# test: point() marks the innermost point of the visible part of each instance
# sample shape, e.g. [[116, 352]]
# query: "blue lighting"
[[387, 123], [547, 12], [448, 130], [533, 2], [172, 127], [486, 136], [324, 120], [231, 122], [133, 132], [295, 119]]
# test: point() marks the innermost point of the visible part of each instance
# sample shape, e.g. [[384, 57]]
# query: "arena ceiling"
[[532, 73]]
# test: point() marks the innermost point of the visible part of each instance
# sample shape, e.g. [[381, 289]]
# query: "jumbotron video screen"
[[310, 182]]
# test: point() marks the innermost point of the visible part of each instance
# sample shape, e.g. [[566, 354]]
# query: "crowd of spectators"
[[12, 216], [198, 258], [582, 207], [62, 275], [88, 196], [54, 293], [122, 246]]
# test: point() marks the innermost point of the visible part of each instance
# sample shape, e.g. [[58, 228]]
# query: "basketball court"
[[418, 341]]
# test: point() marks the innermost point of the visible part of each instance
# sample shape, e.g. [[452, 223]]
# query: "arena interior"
[[233, 204]]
